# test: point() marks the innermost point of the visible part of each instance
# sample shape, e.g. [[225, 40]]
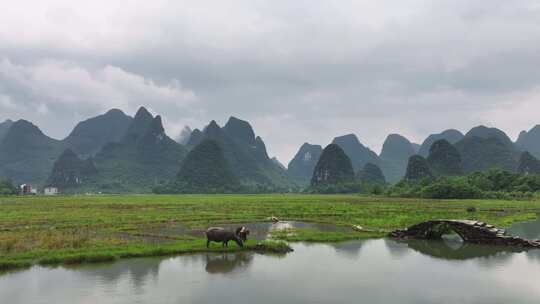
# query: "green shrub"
[[471, 209], [451, 190], [7, 188], [492, 184]]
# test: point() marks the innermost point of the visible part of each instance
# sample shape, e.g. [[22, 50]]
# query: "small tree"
[[7, 188]]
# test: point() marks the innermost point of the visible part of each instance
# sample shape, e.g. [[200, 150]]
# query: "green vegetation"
[[69, 256], [246, 154], [528, 164], [417, 169], [481, 154], [528, 141], [205, 170], [444, 159], [338, 188], [493, 184], [70, 171], [451, 135], [334, 167], [74, 229], [144, 158], [7, 188], [371, 174], [312, 235]]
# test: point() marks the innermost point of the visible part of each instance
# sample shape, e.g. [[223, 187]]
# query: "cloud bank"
[[298, 70]]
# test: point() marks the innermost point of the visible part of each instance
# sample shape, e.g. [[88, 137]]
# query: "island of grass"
[[83, 229]]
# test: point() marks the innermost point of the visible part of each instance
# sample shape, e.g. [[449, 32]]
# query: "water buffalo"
[[220, 235], [242, 233]]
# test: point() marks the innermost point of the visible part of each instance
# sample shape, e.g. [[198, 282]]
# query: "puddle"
[[258, 231], [262, 230], [529, 230]]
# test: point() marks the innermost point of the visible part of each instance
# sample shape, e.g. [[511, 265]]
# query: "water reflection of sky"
[[375, 271], [529, 230]]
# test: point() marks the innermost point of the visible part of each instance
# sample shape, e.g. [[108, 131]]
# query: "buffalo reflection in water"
[[228, 262]]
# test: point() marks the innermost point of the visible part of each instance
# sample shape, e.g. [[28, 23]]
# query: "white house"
[[50, 191]]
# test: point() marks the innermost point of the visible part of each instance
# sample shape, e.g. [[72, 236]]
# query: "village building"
[[27, 190], [50, 190]]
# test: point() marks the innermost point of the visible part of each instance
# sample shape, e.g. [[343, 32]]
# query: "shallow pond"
[[373, 271], [258, 230]]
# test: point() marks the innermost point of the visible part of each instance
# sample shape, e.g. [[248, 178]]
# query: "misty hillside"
[[245, 152], [394, 157], [89, 136], [301, 167], [359, 154], [452, 136], [115, 152], [26, 154]]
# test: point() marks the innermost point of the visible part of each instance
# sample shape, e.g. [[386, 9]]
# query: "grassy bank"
[[49, 230], [98, 255], [311, 235]]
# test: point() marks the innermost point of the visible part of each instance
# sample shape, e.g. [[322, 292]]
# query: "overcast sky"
[[299, 71]]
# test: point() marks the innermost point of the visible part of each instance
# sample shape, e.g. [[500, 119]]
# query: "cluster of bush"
[[492, 184], [7, 188]]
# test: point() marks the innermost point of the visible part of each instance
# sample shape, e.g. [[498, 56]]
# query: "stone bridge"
[[470, 231]]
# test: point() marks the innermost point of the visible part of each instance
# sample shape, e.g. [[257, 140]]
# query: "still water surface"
[[374, 271]]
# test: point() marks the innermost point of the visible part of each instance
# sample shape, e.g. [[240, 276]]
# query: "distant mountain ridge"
[[530, 141], [4, 128], [334, 167], [450, 135], [485, 133], [71, 171], [481, 154], [245, 152], [300, 168], [89, 136], [395, 156], [528, 164], [184, 136], [359, 154], [205, 170], [26, 154], [134, 154], [371, 174], [485, 148], [444, 159], [144, 158]]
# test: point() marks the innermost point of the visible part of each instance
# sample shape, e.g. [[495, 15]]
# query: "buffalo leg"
[[207, 243]]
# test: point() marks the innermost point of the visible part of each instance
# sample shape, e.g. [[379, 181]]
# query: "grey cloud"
[[298, 70], [56, 94]]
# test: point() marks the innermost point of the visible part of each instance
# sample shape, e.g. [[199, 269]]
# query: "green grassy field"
[[74, 229]]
